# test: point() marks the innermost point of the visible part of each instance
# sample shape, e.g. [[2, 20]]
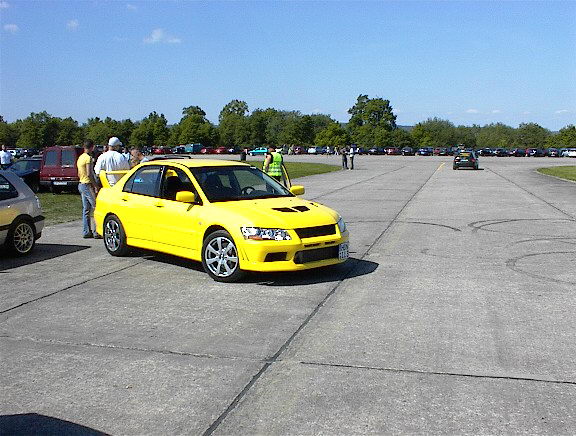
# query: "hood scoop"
[[291, 209]]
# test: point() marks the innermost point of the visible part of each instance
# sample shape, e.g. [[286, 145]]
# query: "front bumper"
[[293, 255]]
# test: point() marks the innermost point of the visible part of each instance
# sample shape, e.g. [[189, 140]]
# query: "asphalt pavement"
[[454, 315]]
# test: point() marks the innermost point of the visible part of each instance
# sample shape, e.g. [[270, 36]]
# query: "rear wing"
[[110, 178]]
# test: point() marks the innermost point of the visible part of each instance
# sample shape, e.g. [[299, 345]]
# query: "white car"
[[571, 152], [312, 150], [21, 219]]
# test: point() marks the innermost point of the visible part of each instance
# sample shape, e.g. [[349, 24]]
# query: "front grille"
[[316, 255], [312, 232]]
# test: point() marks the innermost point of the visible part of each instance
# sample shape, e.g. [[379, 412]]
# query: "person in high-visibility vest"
[[273, 164]]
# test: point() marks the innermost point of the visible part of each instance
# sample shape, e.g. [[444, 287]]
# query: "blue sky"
[[466, 61]]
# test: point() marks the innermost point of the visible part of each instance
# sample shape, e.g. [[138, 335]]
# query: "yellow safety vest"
[[275, 167]]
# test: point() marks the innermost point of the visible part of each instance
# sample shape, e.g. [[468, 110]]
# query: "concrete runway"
[[455, 314]]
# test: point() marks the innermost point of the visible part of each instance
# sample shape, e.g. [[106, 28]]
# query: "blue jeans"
[[88, 205]]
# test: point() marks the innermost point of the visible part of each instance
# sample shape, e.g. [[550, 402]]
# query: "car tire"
[[21, 237], [35, 186], [55, 189], [454, 167], [115, 237], [220, 257]]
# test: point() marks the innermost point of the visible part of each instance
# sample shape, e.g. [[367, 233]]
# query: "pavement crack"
[[70, 287], [440, 373], [349, 273]]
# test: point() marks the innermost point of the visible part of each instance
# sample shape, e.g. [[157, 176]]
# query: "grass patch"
[[61, 208], [564, 172], [301, 169]]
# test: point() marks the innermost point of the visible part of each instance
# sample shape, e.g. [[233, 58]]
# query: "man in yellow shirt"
[[87, 188]]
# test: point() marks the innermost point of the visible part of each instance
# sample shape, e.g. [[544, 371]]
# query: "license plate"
[[59, 183], [343, 251]]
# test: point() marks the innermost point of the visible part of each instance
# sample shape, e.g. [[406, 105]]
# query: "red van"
[[58, 170]]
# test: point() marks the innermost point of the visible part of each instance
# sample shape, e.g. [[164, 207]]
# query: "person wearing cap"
[[273, 164], [112, 160]]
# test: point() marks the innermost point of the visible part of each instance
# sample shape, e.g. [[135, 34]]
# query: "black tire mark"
[[512, 264]]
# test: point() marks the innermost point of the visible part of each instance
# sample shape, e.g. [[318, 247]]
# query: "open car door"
[[286, 178]]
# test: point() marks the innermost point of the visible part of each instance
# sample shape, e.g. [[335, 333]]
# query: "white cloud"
[[158, 35], [472, 111], [496, 111], [72, 24], [562, 111], [131, 7], [4, 5], [11, 28]]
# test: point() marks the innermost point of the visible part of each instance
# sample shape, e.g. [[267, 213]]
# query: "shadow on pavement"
[[349, 269], [40, 253], [35, 424]]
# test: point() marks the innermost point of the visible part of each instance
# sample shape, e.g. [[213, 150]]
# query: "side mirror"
[[186, 197], [297, 190]]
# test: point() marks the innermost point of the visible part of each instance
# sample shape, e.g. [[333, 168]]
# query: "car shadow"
[[351, 268], [40, 253], [35, 424]]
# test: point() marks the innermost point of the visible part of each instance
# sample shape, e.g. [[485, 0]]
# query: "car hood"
[[284, 213]]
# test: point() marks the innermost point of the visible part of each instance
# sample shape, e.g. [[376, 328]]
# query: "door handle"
[[159, 205], [124, 199]]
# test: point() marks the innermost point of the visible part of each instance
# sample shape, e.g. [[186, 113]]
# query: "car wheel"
[[454, 167], [115, 237], [35, 186], [21, 238], [220, 257]]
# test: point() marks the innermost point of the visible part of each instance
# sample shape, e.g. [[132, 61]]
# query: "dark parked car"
[[465, 159], [408, 151], [425, 151], [58, 170], [486, 152], [393, 151], [535, 152], [28, 169], [553, 152], [517, 152], [377, 150], [501, 152]]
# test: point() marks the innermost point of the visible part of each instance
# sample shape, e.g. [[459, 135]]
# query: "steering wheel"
[[247, 190]]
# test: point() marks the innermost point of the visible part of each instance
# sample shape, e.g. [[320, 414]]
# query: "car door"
[[174, 223], [8, 198], [137, 200]]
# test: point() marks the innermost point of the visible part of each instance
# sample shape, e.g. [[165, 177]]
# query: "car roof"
[[197, 163]]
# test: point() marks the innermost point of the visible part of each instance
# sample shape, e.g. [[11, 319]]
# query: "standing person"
[[273, 164], [136, 157], [6, 157], [243, 154], [87, 188], [112, 161], [351, 154], [344, 158]]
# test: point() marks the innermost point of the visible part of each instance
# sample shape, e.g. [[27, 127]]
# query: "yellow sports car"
[[229, 215]]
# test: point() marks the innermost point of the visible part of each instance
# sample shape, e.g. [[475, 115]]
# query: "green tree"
[[566, 137], [531, 135], [152, 130], [69, 132], [235, 107], [401, 138], [369, 117], [332, 135], [8, 133], [435, 132], [496, 135], [466, 135], [37, 130]]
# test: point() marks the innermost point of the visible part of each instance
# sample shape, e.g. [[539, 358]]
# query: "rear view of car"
[[465, 159], [21, 219], [58, 170]]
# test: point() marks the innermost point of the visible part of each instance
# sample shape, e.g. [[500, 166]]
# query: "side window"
[[145, 181], [7, 190], [174, 181], [51, 159], [68, 158]]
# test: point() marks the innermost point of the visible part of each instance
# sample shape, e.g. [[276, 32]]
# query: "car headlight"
[[341, 225], [262, 234]]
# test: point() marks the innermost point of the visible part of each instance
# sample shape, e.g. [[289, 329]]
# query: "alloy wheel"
[[221, 257]]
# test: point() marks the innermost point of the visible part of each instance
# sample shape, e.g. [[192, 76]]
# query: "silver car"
[[21, 219]]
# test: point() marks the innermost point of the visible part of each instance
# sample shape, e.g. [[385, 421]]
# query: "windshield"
[[237, 183], [25, 165]]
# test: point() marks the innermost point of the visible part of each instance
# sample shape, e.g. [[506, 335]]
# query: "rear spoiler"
[[109, 178]]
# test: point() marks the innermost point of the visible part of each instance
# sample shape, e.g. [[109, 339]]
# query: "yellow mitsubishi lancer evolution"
[[230, 216]]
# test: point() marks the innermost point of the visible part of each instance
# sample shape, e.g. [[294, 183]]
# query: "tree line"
[[372, 123]]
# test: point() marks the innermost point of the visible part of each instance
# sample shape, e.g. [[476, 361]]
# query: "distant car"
[[220, 150], [58, 170], [312, 150], [207, 150], [233, 150], [501, 152], [21, 219], [553, 152], [408, 151], [535, 152], [517, 152], [425, 151], [393, 151], [571, 152], [377, 151], [260, 151], [161, 150], [28, 169], [485, 152], [465, 159]]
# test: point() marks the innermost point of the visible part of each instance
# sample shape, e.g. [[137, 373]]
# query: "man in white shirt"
[[6, 158], [112, 161]]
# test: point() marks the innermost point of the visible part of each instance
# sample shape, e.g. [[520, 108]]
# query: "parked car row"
[[528, 152]]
